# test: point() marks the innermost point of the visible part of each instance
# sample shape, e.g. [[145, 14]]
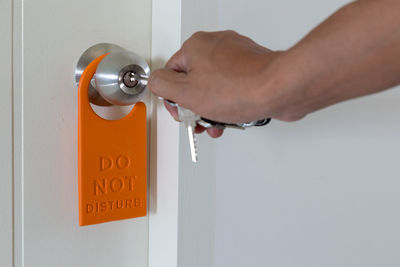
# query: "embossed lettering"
[[122, 162], [120, 204], [130, 181], [106, 163], [103, 206], [100, 187], [138, 202], [117, 185], [114, 205], [89, 208], [129, 203], [113, 185]]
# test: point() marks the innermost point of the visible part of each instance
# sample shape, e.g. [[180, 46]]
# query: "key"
[[190, 119]]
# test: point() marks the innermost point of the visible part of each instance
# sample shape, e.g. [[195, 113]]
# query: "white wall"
[[324, 191]]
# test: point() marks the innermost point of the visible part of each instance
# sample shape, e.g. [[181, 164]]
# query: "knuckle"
[[199, 34], [231, 32], [187, 44], [154, 79]]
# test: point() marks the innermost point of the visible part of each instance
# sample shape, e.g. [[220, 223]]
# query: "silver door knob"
[[120, 79]]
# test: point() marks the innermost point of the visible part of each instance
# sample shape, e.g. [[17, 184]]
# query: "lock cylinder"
[[118, 78]]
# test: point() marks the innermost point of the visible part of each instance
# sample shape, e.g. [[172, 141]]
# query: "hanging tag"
[[111, 160]]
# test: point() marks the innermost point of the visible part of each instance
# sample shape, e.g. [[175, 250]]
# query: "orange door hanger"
[[112, 158]]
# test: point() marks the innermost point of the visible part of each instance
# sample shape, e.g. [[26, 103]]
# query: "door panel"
[[50, 36]]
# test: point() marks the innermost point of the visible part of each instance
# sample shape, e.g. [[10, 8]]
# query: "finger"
[[199, 129], [168, 84], [214, 132], [172, 110], [177, 62], [290, 118]]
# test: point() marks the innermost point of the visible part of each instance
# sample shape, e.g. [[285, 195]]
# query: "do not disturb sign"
[[111, 161]]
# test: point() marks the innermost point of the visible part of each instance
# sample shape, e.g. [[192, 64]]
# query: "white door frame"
[[182, 194], [164, 144]]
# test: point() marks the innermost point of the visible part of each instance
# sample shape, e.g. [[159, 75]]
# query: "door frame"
[[182, 194], [164, 144]]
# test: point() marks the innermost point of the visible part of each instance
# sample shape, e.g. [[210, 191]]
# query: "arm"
[[227, 77]]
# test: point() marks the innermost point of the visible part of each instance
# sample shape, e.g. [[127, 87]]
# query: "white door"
[[49, 37], [41, 43]]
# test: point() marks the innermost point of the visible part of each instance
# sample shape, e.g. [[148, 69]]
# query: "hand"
[[217, 76], [226, 77]]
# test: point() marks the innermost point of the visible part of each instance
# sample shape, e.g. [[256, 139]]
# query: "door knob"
[[120, 78]]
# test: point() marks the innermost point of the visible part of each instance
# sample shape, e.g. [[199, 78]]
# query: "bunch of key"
[[191, 120]]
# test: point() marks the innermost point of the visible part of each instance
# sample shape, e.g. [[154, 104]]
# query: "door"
[[41, 43], [39, 193], [49, 37]]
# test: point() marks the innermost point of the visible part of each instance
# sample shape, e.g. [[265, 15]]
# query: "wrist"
[[295, 84], [281, 91]]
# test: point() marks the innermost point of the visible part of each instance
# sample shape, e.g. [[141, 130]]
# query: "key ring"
[[207, 123]]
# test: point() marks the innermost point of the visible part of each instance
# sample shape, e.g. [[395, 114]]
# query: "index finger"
[[177, 62]]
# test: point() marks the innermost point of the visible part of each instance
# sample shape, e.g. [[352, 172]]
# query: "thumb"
[[168, 84]]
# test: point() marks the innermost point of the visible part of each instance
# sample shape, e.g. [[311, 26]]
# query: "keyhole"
[[130, 80]]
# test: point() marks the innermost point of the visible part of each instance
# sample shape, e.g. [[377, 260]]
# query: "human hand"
[[217, 75], [226, 77]]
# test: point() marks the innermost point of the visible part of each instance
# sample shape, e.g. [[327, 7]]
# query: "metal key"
[[189, 118]]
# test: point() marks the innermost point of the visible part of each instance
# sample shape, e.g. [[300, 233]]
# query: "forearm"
[[353, 53]]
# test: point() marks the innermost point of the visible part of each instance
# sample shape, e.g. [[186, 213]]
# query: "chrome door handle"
[[120, 79]]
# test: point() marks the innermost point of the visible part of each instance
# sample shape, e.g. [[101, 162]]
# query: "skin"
[[228, 77]]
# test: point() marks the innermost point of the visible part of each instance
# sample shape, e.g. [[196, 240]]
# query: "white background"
[[324, 191]]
